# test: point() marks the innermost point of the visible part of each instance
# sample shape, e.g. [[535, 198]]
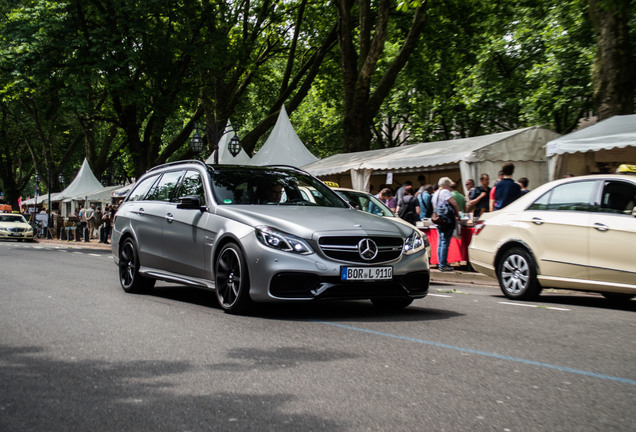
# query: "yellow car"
[[15, 227], [576, 233]]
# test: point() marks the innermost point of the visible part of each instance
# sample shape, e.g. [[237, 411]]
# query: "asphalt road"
[[77, 353]]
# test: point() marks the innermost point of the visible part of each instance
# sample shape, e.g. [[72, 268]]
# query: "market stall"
[[458, 250]]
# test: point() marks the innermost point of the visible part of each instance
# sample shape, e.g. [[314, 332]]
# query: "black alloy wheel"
[[129, 277], [232, 280]]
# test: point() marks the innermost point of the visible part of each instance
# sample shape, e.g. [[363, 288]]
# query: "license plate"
[[366, 273]]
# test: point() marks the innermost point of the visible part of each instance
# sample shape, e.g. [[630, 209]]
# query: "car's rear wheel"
[[232, 280], [395, 303], [129, 277], [517, 275]]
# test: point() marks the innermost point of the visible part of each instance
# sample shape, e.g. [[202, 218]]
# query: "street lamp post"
[[36, 177], [48, 187], [197, 142], [60, 180]]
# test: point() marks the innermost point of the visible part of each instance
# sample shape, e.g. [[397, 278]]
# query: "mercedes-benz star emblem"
[[367, 249]]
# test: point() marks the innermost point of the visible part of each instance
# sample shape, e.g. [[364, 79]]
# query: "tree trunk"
[[362, 100], [614, 64]]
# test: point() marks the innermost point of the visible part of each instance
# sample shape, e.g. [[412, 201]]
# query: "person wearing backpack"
[[446, 207], [408, 208], [424, 196]]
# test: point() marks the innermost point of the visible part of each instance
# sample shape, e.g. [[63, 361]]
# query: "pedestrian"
[[384, 195], [88, 214], [479, 196], [399, 194], [523, 182], [446, 207], [470, 185], [97, 222], [82, 224], [507, 189], [106, 224], [424, 196], [409, 209], [390, 202], [491, 195], [459, 197]]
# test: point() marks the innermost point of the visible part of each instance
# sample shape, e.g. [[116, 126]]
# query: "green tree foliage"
[[123, 82]]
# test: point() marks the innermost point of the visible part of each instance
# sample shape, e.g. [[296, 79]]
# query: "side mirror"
[[190, 202]]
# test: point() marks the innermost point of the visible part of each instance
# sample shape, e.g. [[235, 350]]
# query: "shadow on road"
[[44, 393], [341, 310], [574, 298]]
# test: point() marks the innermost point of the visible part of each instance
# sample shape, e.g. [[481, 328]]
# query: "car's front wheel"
[[517, 275], [232, 280], [129, 277]]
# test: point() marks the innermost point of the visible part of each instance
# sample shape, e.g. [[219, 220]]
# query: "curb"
[[462, 277], [73, 244]]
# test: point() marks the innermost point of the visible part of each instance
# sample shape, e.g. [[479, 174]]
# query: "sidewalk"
[[459, 276], [93, 244]]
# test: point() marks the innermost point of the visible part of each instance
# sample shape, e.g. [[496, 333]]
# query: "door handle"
[[141, 211], [169, 217], [600, 227], [537, 221]]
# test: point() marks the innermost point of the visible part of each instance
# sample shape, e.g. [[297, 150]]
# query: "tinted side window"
[[567, 197], [141, 189], [164, 189], [192, 185], [618, 197]]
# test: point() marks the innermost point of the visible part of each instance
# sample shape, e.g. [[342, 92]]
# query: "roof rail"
[[178, 163]]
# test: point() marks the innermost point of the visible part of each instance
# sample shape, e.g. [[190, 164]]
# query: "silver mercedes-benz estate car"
[[259, 234]]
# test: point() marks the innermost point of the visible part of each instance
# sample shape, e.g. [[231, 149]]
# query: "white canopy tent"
[[84, 187], [283, 147], [470, 156], [609, 142], [84, 182], [225, 157]]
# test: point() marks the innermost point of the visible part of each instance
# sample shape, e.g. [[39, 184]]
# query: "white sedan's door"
[[560, 238], [613, 236]]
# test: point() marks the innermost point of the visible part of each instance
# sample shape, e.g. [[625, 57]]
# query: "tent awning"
[[526, 144], [615, 132]]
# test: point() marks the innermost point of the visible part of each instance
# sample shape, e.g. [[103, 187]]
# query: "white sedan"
[[577, 233], [14, 226]]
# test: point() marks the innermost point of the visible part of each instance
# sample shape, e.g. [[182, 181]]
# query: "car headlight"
[[414, 243], [282, 241]]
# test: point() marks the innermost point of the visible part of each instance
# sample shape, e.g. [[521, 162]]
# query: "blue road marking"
[[486, 354]]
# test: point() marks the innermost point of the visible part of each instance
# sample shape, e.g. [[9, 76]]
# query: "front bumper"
[[283, 276], [7, 235]]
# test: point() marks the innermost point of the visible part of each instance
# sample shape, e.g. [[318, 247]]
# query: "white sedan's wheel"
[[517, 275]]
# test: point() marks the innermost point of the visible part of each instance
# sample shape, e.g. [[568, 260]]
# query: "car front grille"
[[347, 248], [16, 230]]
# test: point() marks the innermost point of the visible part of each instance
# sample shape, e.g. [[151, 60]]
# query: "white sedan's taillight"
[[479, 225]]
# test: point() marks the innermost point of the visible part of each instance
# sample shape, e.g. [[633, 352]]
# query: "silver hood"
[[309, 221]]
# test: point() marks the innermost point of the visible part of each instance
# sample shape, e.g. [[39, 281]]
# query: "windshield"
[[12, 218], [270, 186], [365, 202]]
